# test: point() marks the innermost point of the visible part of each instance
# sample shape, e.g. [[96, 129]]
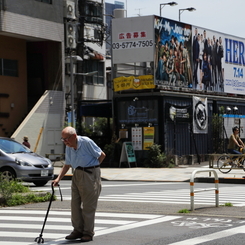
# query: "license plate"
[[44, 172]]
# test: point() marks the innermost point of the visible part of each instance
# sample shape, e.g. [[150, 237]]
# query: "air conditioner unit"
[[70, 9], [87, 32], [71, 32]]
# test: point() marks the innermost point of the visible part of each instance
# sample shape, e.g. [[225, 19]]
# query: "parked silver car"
[[19, 162]]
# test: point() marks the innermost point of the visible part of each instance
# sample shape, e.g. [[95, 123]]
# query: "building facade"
[[39, 83], [177, 85]]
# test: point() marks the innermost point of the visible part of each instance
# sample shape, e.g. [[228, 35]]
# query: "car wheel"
[[40, 182], [8, 174]]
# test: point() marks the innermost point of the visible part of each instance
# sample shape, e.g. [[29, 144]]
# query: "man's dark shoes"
[[74, 235], [86, 238]]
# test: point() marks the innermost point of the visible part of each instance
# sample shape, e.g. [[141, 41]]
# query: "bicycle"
[[227, 162]]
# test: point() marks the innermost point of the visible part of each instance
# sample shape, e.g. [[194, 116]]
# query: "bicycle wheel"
[[224, 164]]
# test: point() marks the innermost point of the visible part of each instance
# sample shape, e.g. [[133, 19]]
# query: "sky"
[[226, 16]]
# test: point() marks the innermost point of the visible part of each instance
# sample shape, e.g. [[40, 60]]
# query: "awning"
[[96, 110]]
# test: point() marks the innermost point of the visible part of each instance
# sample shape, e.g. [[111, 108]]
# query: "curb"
[[198, 179], [221, 180]]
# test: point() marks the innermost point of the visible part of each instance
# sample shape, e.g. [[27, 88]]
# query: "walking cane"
[[40, 238]]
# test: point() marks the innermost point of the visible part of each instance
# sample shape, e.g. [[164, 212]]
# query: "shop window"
[[91, 66], [93, 12], [9, 67]]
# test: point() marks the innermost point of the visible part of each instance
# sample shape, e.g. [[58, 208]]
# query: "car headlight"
[[49, 163], [22, 163]]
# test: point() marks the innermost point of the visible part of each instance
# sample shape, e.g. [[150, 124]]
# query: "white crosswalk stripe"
[[19, 227], [236, 196]]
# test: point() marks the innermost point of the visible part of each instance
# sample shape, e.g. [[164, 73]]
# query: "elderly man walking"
[[83, 155]]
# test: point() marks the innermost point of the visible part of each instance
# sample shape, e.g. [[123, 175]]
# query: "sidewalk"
[[181, 173]]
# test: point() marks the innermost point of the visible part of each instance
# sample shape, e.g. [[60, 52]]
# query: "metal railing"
[[216, 189]]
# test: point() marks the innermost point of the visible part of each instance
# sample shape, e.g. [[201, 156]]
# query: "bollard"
[[216, 189]]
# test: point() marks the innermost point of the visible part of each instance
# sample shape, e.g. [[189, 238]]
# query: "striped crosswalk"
[[236, 196], [19, 227]]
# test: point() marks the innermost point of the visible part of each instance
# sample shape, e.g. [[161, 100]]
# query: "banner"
[[200, 115], [180, 113], [141, 82]]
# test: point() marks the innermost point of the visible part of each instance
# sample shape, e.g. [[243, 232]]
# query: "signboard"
[[140, 82], [137, 111], [127, 154], [132, 39]]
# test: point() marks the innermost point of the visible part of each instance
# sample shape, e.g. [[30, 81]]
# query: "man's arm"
[[62, 173], [101, 157]]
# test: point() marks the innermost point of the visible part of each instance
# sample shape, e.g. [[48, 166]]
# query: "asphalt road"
[[140, 213]]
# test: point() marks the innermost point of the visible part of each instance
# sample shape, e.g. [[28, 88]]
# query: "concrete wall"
[[30, 28], [51, 12], [43, 124]]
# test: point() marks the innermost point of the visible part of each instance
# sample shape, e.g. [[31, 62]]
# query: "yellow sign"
[[140, 82], [148, 137]]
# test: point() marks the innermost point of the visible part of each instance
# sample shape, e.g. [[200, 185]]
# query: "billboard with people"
[[172, 53], [208, 60], [181, 55]]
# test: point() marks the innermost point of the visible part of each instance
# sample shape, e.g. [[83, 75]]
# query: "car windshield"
[[9, 146]]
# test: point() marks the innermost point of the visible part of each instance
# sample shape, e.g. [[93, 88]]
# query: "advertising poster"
[[172, 53], [200, 115], [137, 138], [208, 60], [148, 137], [234, 62]]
